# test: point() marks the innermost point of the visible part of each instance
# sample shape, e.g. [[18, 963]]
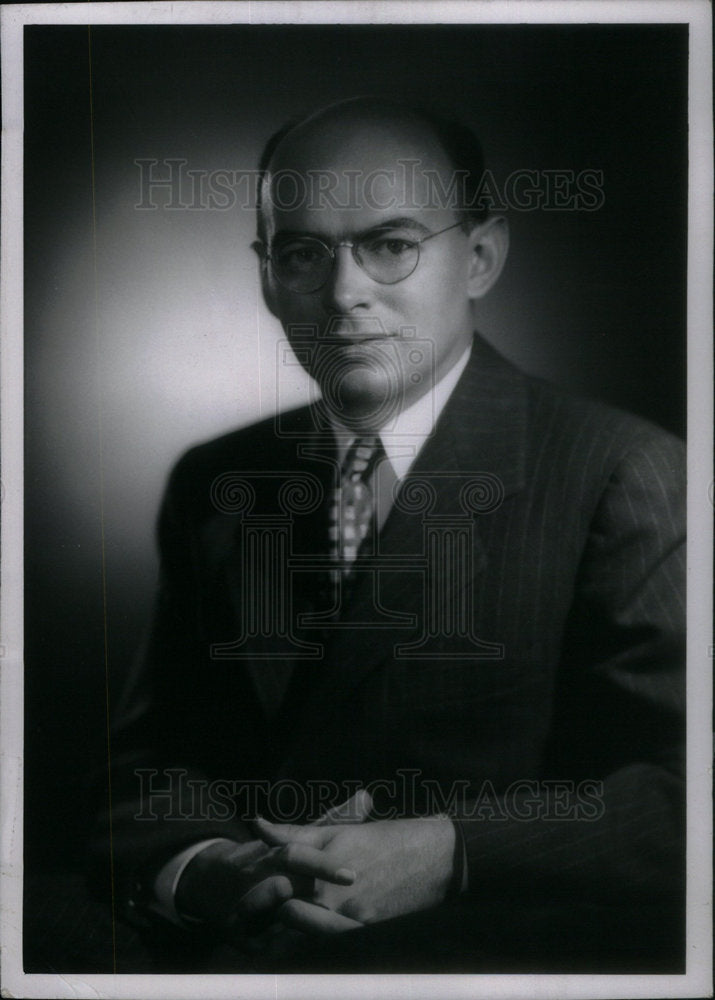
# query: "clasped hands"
[[324, 878]]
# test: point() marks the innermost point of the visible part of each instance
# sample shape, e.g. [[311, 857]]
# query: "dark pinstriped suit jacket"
[[520, 624]]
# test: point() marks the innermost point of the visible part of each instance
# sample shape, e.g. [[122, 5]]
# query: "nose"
[[348, 287]]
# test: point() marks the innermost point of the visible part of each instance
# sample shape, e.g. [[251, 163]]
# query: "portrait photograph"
[[357, 396]]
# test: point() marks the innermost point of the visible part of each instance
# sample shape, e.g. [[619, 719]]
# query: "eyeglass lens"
[[304, 265]]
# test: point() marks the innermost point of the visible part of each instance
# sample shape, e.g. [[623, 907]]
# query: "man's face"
[[373, 348]]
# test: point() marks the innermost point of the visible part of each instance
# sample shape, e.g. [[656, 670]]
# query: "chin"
[[362, 398]]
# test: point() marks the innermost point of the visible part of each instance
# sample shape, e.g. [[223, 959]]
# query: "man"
[[435, 618]]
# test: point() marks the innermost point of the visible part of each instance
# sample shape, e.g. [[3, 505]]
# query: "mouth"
[[353, 341], [356, 330]]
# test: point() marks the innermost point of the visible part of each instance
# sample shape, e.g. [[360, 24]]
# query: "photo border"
[[701, 492]]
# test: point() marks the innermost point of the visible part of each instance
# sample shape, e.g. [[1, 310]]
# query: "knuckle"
[[355, 909], [282, 886], [289, 854], [291, 908]]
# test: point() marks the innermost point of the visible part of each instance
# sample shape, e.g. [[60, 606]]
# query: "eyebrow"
[[401, 222]]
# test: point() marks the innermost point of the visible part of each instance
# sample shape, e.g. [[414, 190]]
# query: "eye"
[[389, 246], [299, 255]]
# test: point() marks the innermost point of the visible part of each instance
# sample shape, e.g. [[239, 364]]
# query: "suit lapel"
[[297, 539], [473, 461]]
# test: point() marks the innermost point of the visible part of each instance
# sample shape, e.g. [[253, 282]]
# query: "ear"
[[261, 252], [489, 243]]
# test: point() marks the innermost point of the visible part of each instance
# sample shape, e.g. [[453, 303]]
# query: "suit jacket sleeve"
[[162, 762], [616, 826]]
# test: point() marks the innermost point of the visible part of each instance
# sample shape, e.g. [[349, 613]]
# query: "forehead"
[[340, 176]]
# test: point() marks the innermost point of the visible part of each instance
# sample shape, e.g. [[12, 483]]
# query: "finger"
[[256, 909], [355, 810], [312, 919], [302, 859], [246, 854], [279, 834], [267, 895]]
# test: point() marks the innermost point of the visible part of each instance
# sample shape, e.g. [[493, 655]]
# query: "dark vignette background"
[[592, 300]]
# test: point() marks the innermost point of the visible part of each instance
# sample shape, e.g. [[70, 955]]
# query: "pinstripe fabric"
[[566, 565]]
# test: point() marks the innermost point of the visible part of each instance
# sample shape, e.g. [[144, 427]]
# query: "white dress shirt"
[[404, 438]]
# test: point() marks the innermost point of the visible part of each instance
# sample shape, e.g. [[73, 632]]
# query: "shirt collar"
[[408, 431]]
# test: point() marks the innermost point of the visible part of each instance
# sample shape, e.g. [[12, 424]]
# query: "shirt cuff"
[[167, 880]]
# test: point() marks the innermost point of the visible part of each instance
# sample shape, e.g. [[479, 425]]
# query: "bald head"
[[354, 126], [346, 144]]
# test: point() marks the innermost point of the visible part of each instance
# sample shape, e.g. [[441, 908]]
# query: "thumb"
[[278, 834]]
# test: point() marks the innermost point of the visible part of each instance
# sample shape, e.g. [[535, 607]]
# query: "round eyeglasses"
[[304, 263]]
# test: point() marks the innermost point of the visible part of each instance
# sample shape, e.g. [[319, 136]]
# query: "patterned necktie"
[[352, 507]]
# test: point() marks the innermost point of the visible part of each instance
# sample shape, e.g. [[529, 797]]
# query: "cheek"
[[441, 294], [302, 311], [290, 306], [452, 277]]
